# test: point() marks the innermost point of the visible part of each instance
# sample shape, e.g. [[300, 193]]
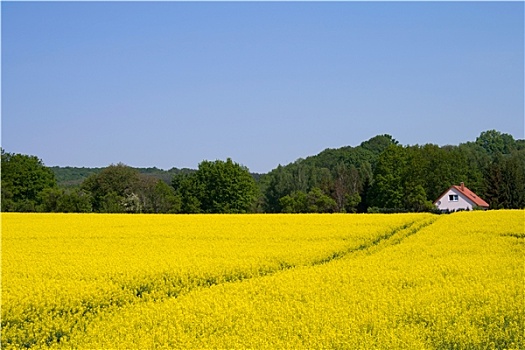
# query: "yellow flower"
[[263, 281]]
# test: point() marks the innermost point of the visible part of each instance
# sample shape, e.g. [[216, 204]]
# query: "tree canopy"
[[217, 187], [382, 175], [377, 175], [24, 178]]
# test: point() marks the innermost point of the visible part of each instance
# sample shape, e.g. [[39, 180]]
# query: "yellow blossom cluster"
[[263, 281]]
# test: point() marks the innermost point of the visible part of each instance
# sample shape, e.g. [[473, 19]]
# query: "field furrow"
[[457, 283], [263, 281], [62, 272]]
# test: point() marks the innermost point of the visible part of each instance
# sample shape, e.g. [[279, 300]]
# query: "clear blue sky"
[[170, 84]]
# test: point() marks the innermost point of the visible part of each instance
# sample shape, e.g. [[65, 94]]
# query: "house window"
[[452, 197]]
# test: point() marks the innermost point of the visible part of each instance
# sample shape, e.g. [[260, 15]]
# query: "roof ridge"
[[471, 195]]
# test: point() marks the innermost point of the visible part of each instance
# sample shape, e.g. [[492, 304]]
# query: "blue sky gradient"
[[170, 84]]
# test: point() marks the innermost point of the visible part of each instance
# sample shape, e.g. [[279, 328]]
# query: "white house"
[[459, 198]]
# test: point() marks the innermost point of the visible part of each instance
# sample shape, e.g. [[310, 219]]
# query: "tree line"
[[379, 175]]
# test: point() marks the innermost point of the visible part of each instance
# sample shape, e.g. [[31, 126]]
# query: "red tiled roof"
[[471, 196]]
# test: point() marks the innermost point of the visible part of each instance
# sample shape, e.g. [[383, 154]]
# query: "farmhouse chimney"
[[462, 185]]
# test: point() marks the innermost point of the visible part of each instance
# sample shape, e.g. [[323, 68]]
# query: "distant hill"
[[73, 176], [378, 174], [68, 177]]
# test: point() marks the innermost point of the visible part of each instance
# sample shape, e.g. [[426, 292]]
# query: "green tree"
[[315, 201], [378, 144], [366, 176], [24, 178], [417, 200], [352, 202], [319, 202], [494, 142], [341, 186], [111, 202], [50, 199], [275, 185], [65, 201], [114, 189], [346, 187], [505, 178], [225, 187], [514, 178], [332, 171], [164, 199], [187, 190], [477, 161], [75, 201], [154, 196], [388, 189], [296, 202]]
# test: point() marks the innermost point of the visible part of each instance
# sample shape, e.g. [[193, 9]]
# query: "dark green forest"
[[379, 175]]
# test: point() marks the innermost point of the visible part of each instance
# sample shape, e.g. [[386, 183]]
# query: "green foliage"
[[506, 181], [224, 187], [65, 201], [68, 177], [496, 142], [352, 202], [411, 177], [23, 180], [381, 173], [120, 188], [216, 187], [315, 201], [377, 175], [277, 184], [164, 199], [187, 189], [339, 173], [110, 189], [152, 195], [378, 144], [417, 200], [388, 188], [318, 202], [296, 202]]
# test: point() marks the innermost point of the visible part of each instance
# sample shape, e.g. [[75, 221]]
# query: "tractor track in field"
[[390, 238], [387, 239], [150, 292], [177, 287]]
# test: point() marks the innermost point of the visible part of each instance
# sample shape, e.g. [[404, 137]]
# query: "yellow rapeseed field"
[[382, 281]]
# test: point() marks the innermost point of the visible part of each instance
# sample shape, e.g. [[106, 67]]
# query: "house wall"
[[443, 203]]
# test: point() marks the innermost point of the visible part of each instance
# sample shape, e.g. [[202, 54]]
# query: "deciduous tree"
[[24, 178], [225, 187]]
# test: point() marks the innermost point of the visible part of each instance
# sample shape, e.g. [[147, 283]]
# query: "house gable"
[[459, 198], [471, 196]]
